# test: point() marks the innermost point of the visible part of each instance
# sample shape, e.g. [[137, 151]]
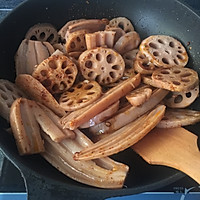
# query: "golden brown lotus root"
[[80, 95], [164, 51], [103, 65], [57, 73], [75, 41], [177, 79], [143, 65]]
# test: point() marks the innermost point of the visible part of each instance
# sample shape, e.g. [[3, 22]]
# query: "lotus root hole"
[[71, 90], [82, 100], [91, 74], [121, 25], [46, 83], [188, 94], [186, 74], [176, 82], [88, 87], [165, 60], [180, 57], [153, 45], [43, 72], [52, 64], [167, 52], [55, 87], [176, 62], [160, 41], [142, 56], [165, 72], [64, 65], [116, 67], [70, 102], [177, 71], [185, 80], [72, 45], [180, 51], [68, 71], [178, 99], [145, 65], [42, 35], [78, 39], [79, 85], [110, 58], [33, 37], [88, 64], [50, 38], [98, 57], [90, 93], [4, 96], [65, 99], [171, 44], [156, 53], [9, 87], [112, 74]]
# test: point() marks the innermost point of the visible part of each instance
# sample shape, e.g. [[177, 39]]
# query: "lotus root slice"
[[122, 22], [57, 73], [103, 65], [164, 51], [80, 95], [175, 79], [43, 32]]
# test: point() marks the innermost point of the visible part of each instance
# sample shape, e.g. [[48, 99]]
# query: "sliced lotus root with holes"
[[9, 92], [129, 58], [164, 51], [176, 79], [123, 23], [118, 32], [101, 64], [100, 39], [80, 95], [181, 99], [62, 32], [57, 73], [140, 95], [127, 42], [43, 32], [143, 65], [76, 41]]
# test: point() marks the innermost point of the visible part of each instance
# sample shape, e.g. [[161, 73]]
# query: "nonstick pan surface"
[[149, 17]]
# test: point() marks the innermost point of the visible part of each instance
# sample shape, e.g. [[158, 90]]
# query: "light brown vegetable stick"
[[124, 137], [76, 118], [126, 116], [173, 147]]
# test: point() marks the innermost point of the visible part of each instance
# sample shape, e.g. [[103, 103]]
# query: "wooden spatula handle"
[[174, 147]]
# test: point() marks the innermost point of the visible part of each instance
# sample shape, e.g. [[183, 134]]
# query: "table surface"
[[12, 181]]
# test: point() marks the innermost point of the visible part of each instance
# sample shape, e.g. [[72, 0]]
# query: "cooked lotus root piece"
[[127, 42], [76, 41], [9, 92], [143, 65], [176, 79], [138, 96], [123, 23], [100, 39], [43, 32], [103, 65], [118, 32], [164, 51], [62, 32], [57, 73], [181, 99], [80, 95], [129, 58], [31, 53]]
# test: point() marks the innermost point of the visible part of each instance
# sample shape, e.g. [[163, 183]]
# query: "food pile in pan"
[[93, 89]]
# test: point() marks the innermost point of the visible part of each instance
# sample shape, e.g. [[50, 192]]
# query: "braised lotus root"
[[118, 32], [75, 41], [143, 65], [100, 39], [80, 95], [43, 32], [103, 65], [175, 79], [181, 99], [123, 23], [57, 73], [127, 42], [164, 51], [9, 92], [129, 58], [31, 53]]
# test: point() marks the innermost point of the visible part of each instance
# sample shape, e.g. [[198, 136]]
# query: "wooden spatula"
[[174, 147]]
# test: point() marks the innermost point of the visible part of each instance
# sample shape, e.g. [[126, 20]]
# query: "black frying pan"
[[149, 17]]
